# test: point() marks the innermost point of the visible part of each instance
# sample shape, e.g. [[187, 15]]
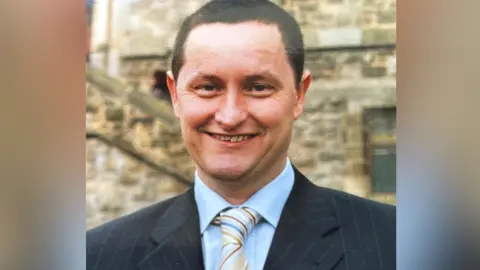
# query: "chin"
[[230, 174], [227, 173]]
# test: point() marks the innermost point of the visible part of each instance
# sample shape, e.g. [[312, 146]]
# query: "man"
[[238, 84]]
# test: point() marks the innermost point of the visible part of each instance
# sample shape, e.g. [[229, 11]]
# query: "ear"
[[301, 92], [172, 88]]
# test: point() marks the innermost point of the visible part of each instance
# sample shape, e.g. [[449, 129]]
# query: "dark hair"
[[237, 11]]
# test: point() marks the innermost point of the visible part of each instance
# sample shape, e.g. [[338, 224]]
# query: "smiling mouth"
[[231, 138]]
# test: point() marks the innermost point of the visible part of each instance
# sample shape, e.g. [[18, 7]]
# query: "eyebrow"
[[265, 75], [204, 76]]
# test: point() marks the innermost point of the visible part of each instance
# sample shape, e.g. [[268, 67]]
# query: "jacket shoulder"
[[147, 215], [129, 234], [368, 227], [370, 218], [344, 201]]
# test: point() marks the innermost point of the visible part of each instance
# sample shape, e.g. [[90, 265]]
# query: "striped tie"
[[235, 224]]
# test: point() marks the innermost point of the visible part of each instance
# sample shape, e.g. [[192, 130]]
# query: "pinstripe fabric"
[[319, 229], [235, 224]]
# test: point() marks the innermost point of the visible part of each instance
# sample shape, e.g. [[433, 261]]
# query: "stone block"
[[167, 185], [310, 37], [128, 179], [388, 16], [369, 3], [302, 158], [392, 65], [313, 118], [176, 150], [351, 71], [379, 35], [341, 36], [184, 160], [321, 19], [299, 129], [110, 198], [356, 168], [331, 133], [353, 58], [321, 66], [91, 107], [331, 156], [344, 19], [374, 71], [366, 19], [335, 119], [355, 152], [148, 191], [354, 135], [160, 154], [311, 142], [334, 104], [354, 120], [114, 114], [316, 131], [307, 6], [338, 168], [159, 143]]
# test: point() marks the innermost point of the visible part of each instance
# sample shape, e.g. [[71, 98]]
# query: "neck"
[[237, 191]]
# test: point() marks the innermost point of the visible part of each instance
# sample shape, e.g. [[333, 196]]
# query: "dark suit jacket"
[[319, 228]]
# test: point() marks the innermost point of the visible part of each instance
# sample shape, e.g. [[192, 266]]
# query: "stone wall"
[[345, 22], [142, 27], [144, 30], [118, 184], [133, 159], [328, 142]]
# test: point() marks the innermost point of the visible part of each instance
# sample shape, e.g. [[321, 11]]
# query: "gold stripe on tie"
[[235, 224]]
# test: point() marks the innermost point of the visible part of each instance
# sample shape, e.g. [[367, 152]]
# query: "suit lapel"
[[177, 238], [308, 233]]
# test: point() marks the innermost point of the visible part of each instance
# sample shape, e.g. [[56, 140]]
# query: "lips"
[[232, 138]]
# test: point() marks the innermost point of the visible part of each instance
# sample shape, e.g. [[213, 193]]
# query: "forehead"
[[245, 44]]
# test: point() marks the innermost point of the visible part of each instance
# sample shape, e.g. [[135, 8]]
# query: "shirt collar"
[[268, 201], [209, 203]]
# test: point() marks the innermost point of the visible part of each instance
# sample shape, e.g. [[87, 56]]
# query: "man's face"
[[237, 100]]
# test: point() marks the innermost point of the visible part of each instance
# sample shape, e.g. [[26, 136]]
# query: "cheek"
[[273, 114], [194, 112], [280, 105]]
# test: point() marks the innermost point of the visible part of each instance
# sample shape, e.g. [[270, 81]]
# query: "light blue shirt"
[[268, 202]]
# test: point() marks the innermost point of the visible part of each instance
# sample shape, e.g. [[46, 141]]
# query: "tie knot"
[[241, 219]]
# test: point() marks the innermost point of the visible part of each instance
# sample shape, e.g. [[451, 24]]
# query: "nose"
[[232, 111]]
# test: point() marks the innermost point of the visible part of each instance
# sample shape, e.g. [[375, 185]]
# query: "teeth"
[[232, 138]]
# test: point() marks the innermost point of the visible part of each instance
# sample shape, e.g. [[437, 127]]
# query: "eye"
[[261, 87], [207, 90], [206, 87]]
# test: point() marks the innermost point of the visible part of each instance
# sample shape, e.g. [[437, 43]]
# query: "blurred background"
[[346, 138]]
